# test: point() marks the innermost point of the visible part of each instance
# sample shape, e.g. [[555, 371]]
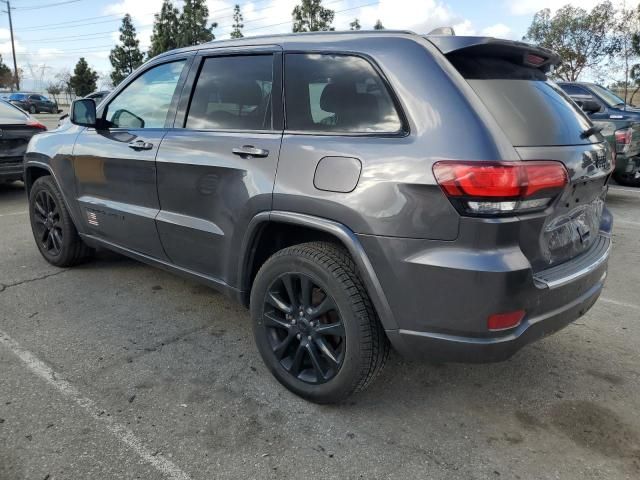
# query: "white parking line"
[[11, 214], [622, 189], [620, 304], [126, 436]]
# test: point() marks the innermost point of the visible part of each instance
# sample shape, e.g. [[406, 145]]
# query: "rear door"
[[217, 166], [115, 166]]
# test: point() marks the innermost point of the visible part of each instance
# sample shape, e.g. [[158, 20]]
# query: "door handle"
[[141, 145], [249, 151]]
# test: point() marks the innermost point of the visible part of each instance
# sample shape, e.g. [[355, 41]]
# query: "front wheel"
[[314, 324], [53, 230]]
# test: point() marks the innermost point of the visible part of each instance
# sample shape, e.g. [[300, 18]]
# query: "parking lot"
[[118, 370]]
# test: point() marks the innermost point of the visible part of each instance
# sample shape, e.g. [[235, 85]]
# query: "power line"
[[39, 7]]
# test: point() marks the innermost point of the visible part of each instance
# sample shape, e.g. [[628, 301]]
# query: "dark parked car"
[[355, 190], [16, 129], [34, 103], [618, 120]]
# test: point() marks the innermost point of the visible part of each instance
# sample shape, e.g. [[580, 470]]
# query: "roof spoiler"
[[530, 55]]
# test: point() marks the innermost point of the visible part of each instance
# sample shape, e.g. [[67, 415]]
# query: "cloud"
[[499, 30], [421, 16], [528, 7], [141, 11]]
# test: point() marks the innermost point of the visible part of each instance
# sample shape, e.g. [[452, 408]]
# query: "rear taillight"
[[36, 124], [623, 139], [500, 188]]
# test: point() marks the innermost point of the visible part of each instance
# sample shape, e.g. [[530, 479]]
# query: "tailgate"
[[543, 124], [572, 225], [14, 140]]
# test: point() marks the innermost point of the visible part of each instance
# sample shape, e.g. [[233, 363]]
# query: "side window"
[[337, 93], [145, 102], [233, 93]]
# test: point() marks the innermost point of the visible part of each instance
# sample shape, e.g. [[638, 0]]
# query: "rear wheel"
[[32, 109], [54, 232], [627, 179], [314, 324]]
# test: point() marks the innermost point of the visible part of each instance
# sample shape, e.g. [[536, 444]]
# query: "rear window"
[[532, 110], [10, 114]]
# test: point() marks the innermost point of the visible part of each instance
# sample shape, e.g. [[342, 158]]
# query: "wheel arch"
[[33, 170], [269, 232]]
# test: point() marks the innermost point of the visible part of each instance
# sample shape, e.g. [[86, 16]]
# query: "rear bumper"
[[11, 169], [442, 295], [452, 348]]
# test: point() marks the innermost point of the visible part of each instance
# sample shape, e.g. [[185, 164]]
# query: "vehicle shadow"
[[11, 191]]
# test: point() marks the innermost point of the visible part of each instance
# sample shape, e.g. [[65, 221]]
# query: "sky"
[[51, 35]]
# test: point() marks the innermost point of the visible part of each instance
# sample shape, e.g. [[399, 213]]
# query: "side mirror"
[[590, 106], [83, 112]]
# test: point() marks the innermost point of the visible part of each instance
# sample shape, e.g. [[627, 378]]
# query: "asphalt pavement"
[[116, 370]]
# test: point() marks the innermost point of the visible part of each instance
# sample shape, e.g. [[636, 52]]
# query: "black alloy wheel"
[[314, 324], [48, 223], [53, 230], [304, 328]]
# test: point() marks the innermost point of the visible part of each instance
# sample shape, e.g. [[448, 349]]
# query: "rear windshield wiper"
[[591, 131]]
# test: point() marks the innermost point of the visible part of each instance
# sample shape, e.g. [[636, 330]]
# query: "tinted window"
[[233, 93], [531, 110], [337, 93], [145, 102]]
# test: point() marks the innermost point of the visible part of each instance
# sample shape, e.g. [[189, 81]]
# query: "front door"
[[217, 168], [115, 166]]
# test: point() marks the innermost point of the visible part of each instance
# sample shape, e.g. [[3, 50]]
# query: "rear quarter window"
[[531, 110], [337, 94]]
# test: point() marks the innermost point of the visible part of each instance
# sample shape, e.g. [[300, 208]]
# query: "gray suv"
[[356, 190]]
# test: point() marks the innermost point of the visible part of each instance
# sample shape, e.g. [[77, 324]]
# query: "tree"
[[54, 89], [355, 25], [126, 57], [237, 23], [378, 25], [192, 22], [6, 75], [582, 39], [627, 26], [83, 80], [311, 16], [166, 30]]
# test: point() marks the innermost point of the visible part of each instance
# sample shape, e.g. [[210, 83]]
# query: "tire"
[[338, 326], [626, 180], [53, 230], [32, 109]]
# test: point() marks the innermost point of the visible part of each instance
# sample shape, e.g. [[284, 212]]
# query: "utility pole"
[[13, 47]]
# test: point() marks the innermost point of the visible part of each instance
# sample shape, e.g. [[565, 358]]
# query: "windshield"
[[607, 96]]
